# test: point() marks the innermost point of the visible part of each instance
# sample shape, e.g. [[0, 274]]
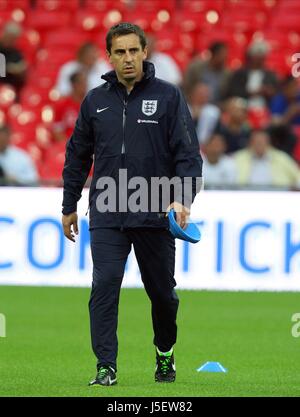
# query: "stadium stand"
[[52, 30]]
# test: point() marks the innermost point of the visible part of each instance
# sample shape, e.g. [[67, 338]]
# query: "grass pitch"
[[47, 351]]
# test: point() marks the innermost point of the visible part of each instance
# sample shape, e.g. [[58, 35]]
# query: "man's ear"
[[145, 51], [108, 54]]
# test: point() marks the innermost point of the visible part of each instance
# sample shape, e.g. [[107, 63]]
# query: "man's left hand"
[[182, 214]]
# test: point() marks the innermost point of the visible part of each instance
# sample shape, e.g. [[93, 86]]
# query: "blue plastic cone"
[[212, 367]]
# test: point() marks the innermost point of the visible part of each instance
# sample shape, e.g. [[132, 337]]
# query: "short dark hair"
[[217, 46], [75, 76], [5, 129], [216, 134], [125, 28], [84, 48]]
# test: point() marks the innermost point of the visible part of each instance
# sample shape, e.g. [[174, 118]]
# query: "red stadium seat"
[[29, 43], [170, 40], [290, 6], [43, 137], [143, 6], [234, 40], [285, 22], [22, 137], [24, 117], [181, 57], [43, 77], [23, 122], [147, 6], [251, 6], [188, 21], [34, 97], [53, 162], [51, 58], [10, 5], [99, 39], [150, 21], [53, 5], [65, 39], [243, 21], [200, 6], [104, 5], [139, 18], [91, 21], [44, 21], [280, 62]]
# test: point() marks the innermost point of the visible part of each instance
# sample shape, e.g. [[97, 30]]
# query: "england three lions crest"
[[149, 107]]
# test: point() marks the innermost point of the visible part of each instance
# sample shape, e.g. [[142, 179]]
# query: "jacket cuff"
[[69, 209]]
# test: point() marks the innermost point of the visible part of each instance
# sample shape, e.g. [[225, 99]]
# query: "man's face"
[[257, 61], [127, 57], [237, 111], [80, 86], [215, 147], [291, 90], [200, 94], [220, 58], [259, 143], [90, 57], [4, 141]]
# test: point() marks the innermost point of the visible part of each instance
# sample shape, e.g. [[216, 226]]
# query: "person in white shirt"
[[206, 116], [15, 164], [88, 61], [218, 169], [165, 66]]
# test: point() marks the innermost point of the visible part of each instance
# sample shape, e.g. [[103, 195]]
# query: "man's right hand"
[[69, 220]]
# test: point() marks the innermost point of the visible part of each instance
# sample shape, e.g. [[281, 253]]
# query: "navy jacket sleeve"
[[184, 147], [79, 159]]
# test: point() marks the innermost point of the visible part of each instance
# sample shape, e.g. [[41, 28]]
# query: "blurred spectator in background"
[[2, 177], [205, 115], [165, 66], [212, 72], [263, 165], [219, 169], [16, 164], [67, 108], [253, 81], [285, 106], [234, 126], [15, 63], [87, 60], [283, 138]]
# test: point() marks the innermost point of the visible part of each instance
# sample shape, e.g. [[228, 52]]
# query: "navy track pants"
[[155, 253]]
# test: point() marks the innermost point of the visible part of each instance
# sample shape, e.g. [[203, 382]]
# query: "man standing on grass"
[[138, 125]]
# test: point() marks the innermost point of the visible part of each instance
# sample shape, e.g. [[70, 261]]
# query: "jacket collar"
[[148, 69]]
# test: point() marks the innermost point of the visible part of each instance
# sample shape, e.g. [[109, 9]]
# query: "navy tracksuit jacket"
[[119, 137], [117, 130]]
